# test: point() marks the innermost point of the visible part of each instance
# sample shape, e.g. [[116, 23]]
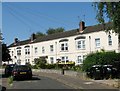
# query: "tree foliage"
[[55, 30], [50, 31], [111, 10], [5, 53], [39, 34]]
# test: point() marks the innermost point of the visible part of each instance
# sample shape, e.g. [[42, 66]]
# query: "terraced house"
[[66, 46]]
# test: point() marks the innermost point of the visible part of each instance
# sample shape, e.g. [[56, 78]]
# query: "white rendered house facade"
[[67, 46]]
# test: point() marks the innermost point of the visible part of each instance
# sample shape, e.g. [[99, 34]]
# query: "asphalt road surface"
[[37, 82]]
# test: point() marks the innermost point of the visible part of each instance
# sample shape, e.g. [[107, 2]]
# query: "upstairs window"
[[27, 50], [12, 53], [97, 42], [109, 40], [36, 50], [18, 52], [43, 49], [80, 44], [51, 48], [64, 46]]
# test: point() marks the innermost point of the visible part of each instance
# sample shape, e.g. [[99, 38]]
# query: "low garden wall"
[[66, 72]]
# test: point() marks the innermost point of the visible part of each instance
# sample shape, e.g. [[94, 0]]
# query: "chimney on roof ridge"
[[81, 26], [15, 41], [33, 37]]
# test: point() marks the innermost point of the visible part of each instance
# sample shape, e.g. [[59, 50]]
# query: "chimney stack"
[[81, 26], [33, 37], [15, 41]]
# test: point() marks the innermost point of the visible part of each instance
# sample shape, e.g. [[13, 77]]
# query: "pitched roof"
[[88, 29]]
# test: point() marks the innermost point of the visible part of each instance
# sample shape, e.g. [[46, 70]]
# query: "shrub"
[[50, 66], [40, 63]]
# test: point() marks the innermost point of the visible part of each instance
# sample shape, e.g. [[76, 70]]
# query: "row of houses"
[[68, 46]]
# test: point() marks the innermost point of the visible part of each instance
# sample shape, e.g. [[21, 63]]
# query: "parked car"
[[22, 72], [95, 72], [109, 71], [102, 72], [8, 69]]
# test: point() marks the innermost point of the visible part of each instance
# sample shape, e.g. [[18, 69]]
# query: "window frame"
[[43, 49], [109, 40], [27, 51], [51, 48], [81, 44], [64, 46], [97, 42], [36, 50]]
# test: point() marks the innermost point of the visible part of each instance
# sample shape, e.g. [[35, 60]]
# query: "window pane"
[[97, 42]]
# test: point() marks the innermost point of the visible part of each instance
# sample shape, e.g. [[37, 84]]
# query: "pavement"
[[78, 83]]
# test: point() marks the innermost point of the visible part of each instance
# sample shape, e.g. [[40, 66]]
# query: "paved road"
[[37, 82], [78, 83]]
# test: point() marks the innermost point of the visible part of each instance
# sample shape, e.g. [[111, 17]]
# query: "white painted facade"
[[73, 48]]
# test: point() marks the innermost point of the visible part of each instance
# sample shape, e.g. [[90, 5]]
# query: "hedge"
[[100, 58]]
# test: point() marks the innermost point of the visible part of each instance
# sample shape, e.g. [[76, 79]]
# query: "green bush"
[[100, 58], [76, 68], [50, 66], [40, 63]]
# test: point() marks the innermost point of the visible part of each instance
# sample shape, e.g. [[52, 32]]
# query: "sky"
[[21, 19]]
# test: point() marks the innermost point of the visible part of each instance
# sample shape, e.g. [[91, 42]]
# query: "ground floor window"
[[64, 59], [80, 59], [27, 61], [19, 61], [51, 60]]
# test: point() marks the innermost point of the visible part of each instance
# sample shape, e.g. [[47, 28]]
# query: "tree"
[[39, 34], [55, 30], [112, 11], [5, 53]]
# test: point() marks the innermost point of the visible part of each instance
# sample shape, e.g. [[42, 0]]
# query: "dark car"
[[95, 72], [8, 69], [109, 71], [22, 72]]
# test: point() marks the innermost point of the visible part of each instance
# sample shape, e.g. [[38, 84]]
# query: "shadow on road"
[[33, 78]]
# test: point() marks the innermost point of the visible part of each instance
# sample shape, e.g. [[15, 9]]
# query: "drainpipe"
[[56, 50]]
